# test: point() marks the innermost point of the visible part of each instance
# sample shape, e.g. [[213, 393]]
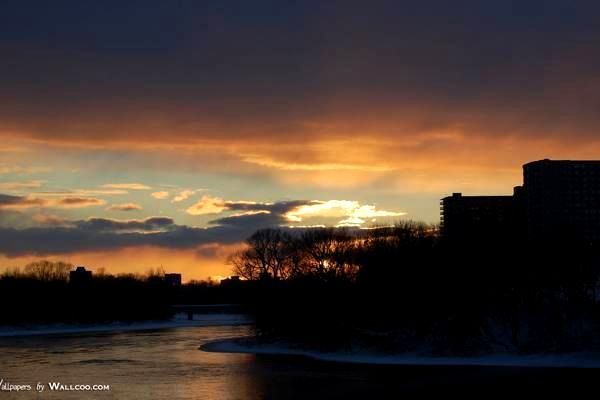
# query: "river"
[[167, 364]]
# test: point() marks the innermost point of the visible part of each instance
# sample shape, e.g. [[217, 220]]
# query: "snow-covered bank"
[[565, 360], [179, 321]]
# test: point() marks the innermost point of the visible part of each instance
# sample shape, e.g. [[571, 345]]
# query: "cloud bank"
[[9, 202], [421, 96], [55, 235]]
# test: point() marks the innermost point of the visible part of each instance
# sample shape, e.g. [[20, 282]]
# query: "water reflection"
[[168, 365], [159, 364]]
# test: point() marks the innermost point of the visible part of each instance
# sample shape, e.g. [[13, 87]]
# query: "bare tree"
[[245, 264], [328, 252], [267, 255], [155, 273], [274, 253], [48, 271], [297, 264]]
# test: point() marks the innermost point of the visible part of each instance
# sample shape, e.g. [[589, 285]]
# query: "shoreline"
[[115, 327], [243, 345]]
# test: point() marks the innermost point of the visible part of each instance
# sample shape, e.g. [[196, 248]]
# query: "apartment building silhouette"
[[558, 199]]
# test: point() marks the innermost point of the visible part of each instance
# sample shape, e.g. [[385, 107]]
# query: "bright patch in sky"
[[351, 212]]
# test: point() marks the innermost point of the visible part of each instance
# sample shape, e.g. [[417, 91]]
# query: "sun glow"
[[351, 212]]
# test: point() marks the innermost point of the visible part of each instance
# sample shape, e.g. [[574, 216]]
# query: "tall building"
[[562, 199], [559, 199]]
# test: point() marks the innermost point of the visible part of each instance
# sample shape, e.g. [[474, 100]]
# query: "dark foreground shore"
[[298, 374], [249, 345]]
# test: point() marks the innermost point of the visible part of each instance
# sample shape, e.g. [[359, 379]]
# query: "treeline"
[[323, 253], [41, 293], [405, 288]]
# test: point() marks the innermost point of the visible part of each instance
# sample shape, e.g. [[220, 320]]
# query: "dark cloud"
[[19, 202], [215, 205], [125, 207], [264, 68], [280, 207], [26, 202], [56, 236], [6, 199], [211, 250], [96, 234], [69, 202], [250, 220], [60, 240], [107, 224], [259, 214]]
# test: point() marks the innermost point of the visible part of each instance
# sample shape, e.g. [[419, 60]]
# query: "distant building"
[[80, 275], [562, 199], [173, 279], [231, 281], [558, 199], [472, 217]]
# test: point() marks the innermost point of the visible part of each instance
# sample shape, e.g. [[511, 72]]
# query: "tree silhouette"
[[45, 270]]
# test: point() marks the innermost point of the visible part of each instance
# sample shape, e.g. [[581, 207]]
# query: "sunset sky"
[[135, 134]]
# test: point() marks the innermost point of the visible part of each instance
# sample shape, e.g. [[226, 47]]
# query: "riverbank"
[[248, 345], [179, 321]]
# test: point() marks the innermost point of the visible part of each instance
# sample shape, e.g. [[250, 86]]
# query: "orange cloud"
[[399, 147], [50, 220], [80, 192], [127, 186], [183, 195], [160, 195], [318, 166], [439, 161], [381, 106], [21, 185], [18, 169], [207, 205]]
